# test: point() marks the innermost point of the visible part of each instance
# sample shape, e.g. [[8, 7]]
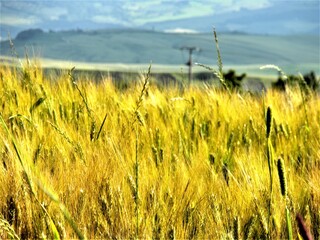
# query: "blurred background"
[[96, 33]]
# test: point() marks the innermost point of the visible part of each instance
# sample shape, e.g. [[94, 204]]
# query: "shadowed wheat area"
[[87, 160]]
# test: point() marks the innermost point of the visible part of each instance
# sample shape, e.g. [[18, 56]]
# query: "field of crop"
[[88, 160]]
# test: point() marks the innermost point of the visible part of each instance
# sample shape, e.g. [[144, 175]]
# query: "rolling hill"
[[292, 53]]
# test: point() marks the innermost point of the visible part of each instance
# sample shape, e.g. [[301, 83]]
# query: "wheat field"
[[81, 159]]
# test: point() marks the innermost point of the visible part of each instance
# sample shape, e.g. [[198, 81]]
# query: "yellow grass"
[[95, 187]]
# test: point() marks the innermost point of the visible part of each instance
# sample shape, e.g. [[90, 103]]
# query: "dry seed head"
[[249, 227], [61, 229], [54, 116], [16, 99], [263, 222], [284, 131], [269, 122], [157, 226], [92, 130], [150, 200], [171, 233], [236, 228], [225, 172], [230, 141], [7, 230], [132, 186], [37, 104], [155, 155], [211, 158], [174, 161], [140, 118], [282, 177], [161, 154], [61, 112]]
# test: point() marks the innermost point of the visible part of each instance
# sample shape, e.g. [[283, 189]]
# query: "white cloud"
[[140, 12], [19, 21], [180, 30], [236, 5], [53, 13], [156, 11], [107, 19]]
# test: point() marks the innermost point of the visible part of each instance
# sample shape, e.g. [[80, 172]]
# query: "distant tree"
[[232, 80], [280, 84], [310, 81], [28, 34]]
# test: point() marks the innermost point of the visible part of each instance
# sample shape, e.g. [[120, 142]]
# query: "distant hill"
[[141, 46]]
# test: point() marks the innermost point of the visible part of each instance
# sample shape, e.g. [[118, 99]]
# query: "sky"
[[58, 14], [127, 12]]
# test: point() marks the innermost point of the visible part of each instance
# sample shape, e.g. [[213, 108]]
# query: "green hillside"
[[292, 53]]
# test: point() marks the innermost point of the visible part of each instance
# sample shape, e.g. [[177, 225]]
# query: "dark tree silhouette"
[[232, 80], [310, 81], [28, 34]]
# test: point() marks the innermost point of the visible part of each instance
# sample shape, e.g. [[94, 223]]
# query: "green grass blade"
[[289, 225]]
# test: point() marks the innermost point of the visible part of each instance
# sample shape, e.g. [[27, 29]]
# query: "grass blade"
[[289, 225], [104, 120]]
